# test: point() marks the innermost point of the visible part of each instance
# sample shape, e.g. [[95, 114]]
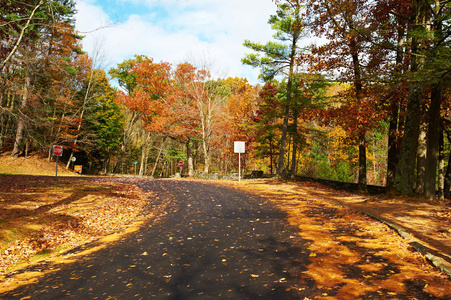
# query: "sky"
[[175, 31]]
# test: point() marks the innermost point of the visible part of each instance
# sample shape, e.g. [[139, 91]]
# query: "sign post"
[[73, 159], [181, 166], [239, 147], [135, 163], [57, 151]]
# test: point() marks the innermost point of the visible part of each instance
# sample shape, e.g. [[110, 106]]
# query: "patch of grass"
[[44, 253]]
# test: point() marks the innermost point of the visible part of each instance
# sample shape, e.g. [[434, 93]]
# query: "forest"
[[369, 104]]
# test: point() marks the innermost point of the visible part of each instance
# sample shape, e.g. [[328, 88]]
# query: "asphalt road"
[[215, 242]]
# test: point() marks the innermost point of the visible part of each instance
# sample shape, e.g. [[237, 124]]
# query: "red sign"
[[57, 150], [180, 164]]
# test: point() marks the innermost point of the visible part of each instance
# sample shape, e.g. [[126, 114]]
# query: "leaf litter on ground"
[[352, 254], [42, 216]]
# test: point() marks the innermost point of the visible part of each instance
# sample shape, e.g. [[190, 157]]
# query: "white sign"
[[239, 147]]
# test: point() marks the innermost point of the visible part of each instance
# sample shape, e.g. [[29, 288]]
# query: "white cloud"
[[170, 30]]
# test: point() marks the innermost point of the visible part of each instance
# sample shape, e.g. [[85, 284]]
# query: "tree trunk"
[[28, 143], [131, 121], [433, 143], [270, 156], [3, 123], [421, 152], [405, 173], [441, 167], [395, 124], [158, 156], [362, 180], [207, 153], [435, 134], [7, 123], [207, 163], [295, 134], [106, 164], [392, 154], [21, 122], [189, 155], [447, 183], [144, 150], [83, 109], [146, 161], [283, 139], [362, 177]]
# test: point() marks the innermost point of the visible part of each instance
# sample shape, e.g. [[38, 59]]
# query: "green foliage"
[[275, 58], [176, 155], [123, 74], [105, 120], [109, 125], [320, 166]]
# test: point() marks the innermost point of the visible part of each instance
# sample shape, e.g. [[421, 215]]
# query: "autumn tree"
[[348, 55], [206, 100], [126, 78], [151, 86], [236, 121]]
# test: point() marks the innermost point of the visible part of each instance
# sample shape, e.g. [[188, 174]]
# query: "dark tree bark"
[[295, 143], [283, 139], [395, 122], [447, 183], [393, 151], [362, 180], [421, 151], [405, 174], [441, 166], [433, 143], [21, 120]]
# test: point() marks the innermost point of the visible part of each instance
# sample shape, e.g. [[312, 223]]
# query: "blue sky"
[[175, 31]]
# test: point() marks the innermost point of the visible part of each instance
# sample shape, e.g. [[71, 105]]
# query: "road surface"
[[214, 242]]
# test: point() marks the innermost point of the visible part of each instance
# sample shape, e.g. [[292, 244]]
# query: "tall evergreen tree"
[[279, 58]]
